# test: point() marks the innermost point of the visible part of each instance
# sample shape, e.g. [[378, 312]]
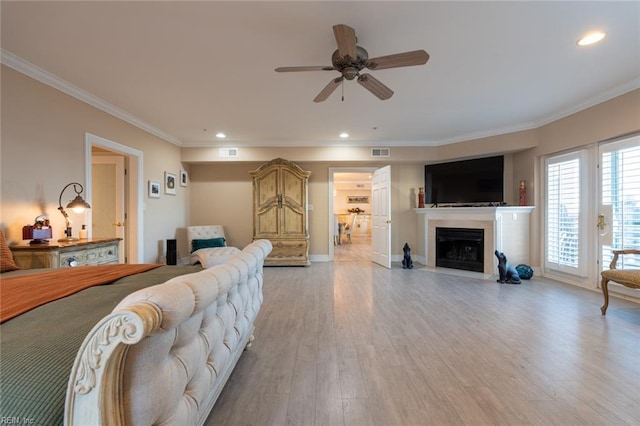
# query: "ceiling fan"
[[350, 59]]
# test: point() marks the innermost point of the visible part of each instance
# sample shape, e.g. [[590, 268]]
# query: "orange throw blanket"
[[23, 293]]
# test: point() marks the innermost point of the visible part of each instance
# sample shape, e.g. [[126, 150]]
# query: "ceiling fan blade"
[[309, 68], [405, 59], [328, 89], [346, 40], [374, 85]]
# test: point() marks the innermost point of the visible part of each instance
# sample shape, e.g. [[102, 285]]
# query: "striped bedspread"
[[21, 294], [39, 346]]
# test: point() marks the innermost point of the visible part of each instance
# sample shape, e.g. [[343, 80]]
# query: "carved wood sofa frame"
[[165, 352]]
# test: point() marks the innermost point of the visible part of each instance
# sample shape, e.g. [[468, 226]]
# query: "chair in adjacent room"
[[350, 225]]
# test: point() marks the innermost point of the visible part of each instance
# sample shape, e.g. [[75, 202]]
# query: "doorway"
[[618, 223], [350, 213], [583, 226], [108, 217], [133, 192]]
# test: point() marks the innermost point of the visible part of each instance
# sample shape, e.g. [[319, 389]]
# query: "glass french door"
[[565, 199], [619, 205]]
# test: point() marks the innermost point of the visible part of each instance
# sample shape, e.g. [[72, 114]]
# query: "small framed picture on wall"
[[357, 199], [170, 183], [184, 178], [154, 189]]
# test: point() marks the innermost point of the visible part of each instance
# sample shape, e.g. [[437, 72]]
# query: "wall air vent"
[[380, 152], [227, 152]]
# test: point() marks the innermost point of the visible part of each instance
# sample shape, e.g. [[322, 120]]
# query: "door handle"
[[117, 224]]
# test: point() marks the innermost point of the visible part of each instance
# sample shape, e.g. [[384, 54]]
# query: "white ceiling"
[[181, 67]]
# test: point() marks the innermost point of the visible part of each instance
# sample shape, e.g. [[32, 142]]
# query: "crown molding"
[[17, 63], [607, 95]]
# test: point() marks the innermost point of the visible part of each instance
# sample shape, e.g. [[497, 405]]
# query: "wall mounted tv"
[[477, 181]]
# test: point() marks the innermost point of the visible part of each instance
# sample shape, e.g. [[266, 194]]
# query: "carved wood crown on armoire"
[[280, 211]]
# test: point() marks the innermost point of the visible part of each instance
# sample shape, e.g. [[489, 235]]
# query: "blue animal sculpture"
[[407, 263], [507, 273]]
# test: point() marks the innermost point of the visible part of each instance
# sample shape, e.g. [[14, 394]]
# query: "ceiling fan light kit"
[[350, 59]]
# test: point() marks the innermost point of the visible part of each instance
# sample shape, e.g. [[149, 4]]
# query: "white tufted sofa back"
[[174, 375]]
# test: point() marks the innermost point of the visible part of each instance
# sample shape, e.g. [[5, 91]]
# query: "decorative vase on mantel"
[[420, 197], [523, 193]]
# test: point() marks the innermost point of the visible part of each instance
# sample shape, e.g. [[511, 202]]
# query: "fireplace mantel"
[[505, 229]]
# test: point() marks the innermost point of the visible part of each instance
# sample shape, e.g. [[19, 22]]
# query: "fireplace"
[[460, 248], [506, 228]]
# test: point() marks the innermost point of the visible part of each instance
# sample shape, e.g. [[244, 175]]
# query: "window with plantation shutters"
[[620, 182], [563, 219]]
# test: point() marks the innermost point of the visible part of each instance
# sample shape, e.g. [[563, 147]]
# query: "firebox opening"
[[460, 248]]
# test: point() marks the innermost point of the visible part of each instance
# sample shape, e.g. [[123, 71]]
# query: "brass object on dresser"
[[280, 211], [95, 251]]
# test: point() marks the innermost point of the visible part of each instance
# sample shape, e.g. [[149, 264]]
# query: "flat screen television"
[[476, 181]]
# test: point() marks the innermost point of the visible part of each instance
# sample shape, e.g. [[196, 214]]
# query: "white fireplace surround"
[[505, 229]]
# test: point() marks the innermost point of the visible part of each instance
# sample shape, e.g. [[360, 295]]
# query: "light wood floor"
[[351, 343], [358, 249]]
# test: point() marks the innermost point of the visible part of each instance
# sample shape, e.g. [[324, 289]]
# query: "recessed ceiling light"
[[220, 135], [591, 38], [344, 135]]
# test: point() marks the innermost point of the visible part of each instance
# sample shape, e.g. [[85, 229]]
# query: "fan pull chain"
[[342, 90]]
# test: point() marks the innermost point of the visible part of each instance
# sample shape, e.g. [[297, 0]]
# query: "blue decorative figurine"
[[507, 273], [407, 263]]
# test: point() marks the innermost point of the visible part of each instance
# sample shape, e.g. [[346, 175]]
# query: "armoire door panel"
[[267, 221], [293, 222], [267, 188], [294, 189]]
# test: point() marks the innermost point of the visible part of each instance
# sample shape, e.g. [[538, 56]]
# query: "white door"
[[619, 208], [107, 202], [381, 217]]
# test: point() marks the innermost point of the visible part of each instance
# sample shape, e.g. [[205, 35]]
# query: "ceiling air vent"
[[380, 152], [228, 152]]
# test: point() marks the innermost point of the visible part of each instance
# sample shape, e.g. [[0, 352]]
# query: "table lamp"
[[78, 205]]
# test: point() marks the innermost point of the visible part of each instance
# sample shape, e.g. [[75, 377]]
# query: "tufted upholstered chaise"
[[627, 277], [165, 352], [209, 256]]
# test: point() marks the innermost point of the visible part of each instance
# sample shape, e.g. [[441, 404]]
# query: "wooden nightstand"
[[95, 251]]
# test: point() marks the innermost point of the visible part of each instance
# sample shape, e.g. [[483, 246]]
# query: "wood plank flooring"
[[352, 343], [358, 249]]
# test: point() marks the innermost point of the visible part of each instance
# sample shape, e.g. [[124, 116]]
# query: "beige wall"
[[222, 194], [43, 149], [341, 206], [43, 133]]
